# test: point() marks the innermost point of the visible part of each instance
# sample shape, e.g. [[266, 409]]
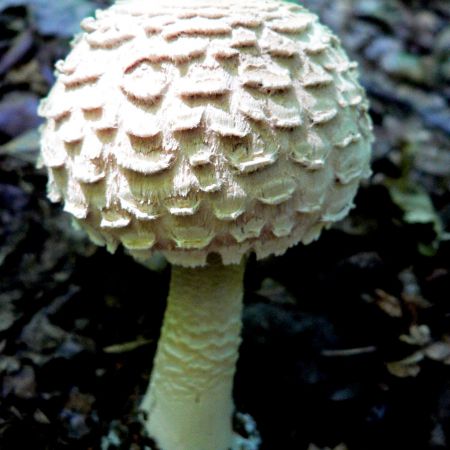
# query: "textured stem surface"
[[189, 402]]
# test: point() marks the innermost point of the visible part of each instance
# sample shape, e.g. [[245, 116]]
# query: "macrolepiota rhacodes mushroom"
[[204, 130]]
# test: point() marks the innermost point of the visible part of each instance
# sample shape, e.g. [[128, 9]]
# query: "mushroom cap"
[[192, 127]]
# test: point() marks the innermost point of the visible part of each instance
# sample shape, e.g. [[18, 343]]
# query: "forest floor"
[[346, 342]]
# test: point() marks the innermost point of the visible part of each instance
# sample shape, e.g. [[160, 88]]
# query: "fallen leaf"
[[24, 147], [438, 351], [21, 384], [18, 49], [415, 204], [417, 207], [418, 335], [406, 367], [388, 303]]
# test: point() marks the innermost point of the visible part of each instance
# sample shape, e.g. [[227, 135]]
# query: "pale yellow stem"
[[189, 402]]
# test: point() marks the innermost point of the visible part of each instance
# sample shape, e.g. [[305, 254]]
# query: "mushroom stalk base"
[[189, 402]]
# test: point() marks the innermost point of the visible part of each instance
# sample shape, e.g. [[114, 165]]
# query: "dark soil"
[[346, 341]]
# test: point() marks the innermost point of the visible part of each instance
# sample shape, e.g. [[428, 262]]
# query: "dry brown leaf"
[[388, 303], [418, 335], [406, 367]]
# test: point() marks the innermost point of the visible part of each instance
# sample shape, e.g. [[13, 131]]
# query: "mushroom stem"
[[189, 403]]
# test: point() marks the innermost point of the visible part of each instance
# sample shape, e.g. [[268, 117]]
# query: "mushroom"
[[204, 131]]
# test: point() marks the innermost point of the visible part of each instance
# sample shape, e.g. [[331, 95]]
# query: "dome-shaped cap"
[[193, 127]]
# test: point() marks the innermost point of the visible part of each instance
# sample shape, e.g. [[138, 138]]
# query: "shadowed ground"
[[346, 341]]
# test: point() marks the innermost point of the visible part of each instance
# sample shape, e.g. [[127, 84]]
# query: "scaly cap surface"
[[195, 127]]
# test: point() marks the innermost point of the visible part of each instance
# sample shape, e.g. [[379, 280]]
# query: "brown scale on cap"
[[227, 128]]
